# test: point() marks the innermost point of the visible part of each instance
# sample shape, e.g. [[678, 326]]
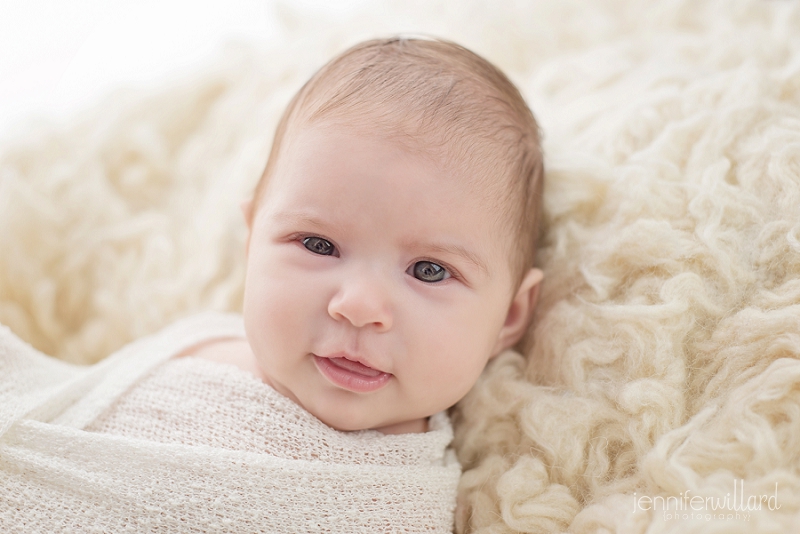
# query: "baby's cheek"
[[275, 309], [473, 342], [454, 356]]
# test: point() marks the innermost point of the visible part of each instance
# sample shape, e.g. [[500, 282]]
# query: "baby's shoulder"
[[228, 351]]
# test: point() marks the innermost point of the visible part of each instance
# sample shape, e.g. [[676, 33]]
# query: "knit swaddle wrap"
[[141, 466]]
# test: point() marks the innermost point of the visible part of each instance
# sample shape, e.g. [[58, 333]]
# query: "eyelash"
[[453, 273]]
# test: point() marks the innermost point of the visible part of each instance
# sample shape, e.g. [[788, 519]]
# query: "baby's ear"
[[247, 210], [519, 312]]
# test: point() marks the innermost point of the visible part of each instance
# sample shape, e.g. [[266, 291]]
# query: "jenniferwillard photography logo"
[[732, 506]]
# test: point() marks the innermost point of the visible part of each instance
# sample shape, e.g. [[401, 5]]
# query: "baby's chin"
[[342, 421], [414, 426]]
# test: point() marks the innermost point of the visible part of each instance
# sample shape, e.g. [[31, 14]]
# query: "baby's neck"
[[415, 426]]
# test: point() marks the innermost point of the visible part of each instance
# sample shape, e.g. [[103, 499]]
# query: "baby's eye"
[[427, 271], [320, 246]]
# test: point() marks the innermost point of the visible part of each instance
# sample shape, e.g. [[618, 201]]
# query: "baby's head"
[[393, 233]]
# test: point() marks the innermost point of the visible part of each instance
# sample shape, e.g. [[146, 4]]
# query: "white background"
[[58, 56]]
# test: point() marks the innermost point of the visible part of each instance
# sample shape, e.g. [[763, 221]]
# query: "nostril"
[[361, 308]]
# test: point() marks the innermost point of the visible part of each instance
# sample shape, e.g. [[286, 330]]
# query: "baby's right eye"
[[320, 246]]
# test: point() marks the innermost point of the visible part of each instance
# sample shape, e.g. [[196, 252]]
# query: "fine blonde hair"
[[439, 97]]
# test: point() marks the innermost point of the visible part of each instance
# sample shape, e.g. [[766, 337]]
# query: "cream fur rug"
[[664, 358]]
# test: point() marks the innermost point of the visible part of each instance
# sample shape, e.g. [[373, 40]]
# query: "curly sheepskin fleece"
[[659, 389]]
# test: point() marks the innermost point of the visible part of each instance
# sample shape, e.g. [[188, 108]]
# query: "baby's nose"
[[363, 300]]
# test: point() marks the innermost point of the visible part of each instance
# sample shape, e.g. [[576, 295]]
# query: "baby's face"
[[378, 282]]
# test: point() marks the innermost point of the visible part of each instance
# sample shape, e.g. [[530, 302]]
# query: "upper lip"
[[352, 358]]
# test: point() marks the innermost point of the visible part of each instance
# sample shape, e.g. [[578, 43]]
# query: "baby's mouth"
[[351, 375], [355, 367]]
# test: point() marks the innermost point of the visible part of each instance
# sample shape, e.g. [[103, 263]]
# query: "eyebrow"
[[296, 217], [299, 217]]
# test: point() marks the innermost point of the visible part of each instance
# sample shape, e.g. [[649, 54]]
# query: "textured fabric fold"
[[64, 471]]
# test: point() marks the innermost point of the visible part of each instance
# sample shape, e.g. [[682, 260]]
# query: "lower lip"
[[348, 379]]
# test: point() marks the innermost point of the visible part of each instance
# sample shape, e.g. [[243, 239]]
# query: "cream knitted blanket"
[[138, 443]]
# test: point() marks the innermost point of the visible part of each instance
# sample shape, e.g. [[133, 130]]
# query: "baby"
[[389, 258], [391, 237]]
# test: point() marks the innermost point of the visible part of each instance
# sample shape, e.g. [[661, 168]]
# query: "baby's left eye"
[[320, 246], [427, 271]]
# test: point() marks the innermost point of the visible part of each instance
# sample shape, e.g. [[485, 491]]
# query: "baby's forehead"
[[434, 98], [352, 180], [477, 189], [474, 163]]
